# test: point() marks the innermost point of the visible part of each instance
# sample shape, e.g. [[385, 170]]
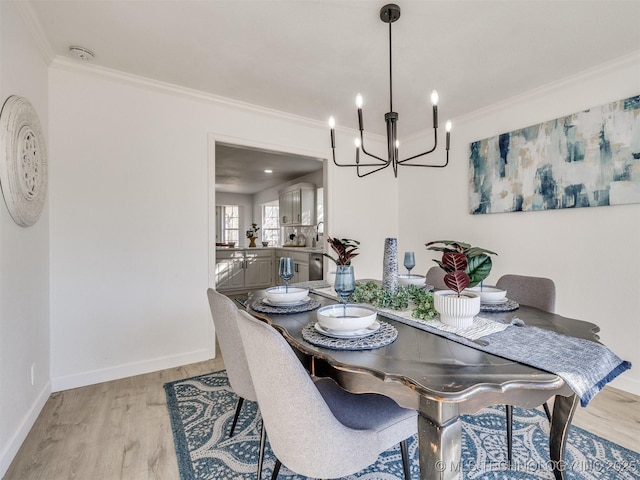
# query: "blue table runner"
[[586, 366]]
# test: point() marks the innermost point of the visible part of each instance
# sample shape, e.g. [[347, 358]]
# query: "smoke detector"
[[82, 53]]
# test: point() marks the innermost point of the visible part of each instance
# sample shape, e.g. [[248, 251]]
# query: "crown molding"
[[76, 66], [620, 63], [32, 22]]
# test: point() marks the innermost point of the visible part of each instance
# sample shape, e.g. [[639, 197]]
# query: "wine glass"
[[345, 285], [409, 261], [286, 270]]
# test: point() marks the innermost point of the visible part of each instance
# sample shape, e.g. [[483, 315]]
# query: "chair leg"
[[546, 410], [263, 441], [235, 417], [404, 450], [276, 469], [509, 411]]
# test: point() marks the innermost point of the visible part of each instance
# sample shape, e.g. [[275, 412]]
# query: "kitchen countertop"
[[293, 249]]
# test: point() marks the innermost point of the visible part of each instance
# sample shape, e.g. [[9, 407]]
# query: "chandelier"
[[389, 14]]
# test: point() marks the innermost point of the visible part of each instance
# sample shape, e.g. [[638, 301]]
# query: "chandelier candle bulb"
[[332, 126], [448, 129], [359, 101], [357, 142], [435, 98]]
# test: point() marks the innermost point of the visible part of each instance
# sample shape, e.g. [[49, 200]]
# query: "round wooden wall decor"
[[23, 161]]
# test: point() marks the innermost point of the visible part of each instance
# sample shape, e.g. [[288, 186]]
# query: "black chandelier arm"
[[421, 165], [361, 129], [333, 152], [435, 145], [386, 162], [372, 171]]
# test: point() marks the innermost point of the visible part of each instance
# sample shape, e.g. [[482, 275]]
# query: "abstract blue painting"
[[587, 159]]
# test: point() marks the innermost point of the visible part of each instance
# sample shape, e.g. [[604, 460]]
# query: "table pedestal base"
[[563, 410], [441, 460]]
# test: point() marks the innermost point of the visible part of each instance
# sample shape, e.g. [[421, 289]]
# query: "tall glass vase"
[[390, 265]]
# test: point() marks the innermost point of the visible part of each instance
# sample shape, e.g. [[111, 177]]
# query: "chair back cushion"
[[435, 277], [535, 292], [303, 432], [225, 318]]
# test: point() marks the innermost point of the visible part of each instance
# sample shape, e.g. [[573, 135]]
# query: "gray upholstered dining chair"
[[537, 292], [225, 318], [317, 429], [435, 278]]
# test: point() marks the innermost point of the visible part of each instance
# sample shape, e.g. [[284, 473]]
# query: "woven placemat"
[[386, 335], [260, 306], [508, 306]]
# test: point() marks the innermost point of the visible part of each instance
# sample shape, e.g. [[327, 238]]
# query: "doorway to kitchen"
[[246, 180]]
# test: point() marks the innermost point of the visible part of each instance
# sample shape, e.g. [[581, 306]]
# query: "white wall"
[[24, 259], [591, 253], [130, 210]]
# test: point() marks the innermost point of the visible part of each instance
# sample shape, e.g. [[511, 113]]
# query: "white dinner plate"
[[496, 302], [286, 304], [365, 332]]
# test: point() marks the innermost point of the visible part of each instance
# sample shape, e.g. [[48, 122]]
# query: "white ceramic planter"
[[456, 311]]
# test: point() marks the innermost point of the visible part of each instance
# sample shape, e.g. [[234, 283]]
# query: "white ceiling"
[[242, 169], [310, 57]]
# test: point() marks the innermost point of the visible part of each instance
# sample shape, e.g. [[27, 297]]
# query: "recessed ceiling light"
[[82, 53], [268, 171]]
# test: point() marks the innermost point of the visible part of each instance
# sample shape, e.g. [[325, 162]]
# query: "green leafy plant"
[[372, 293], [478, 262], [253, 231], [345, 249]]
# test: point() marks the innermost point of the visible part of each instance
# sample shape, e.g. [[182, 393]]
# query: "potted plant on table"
[[252, 234], [345, 250], [479, 262], [465, 266]]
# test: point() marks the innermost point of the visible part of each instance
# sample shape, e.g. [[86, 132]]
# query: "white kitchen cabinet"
[[289, 207], [229, 270], [258, 269], [244, 269], [297, 205]]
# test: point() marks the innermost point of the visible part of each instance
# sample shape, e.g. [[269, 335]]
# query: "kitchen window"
[[231, 223], [271, 223]]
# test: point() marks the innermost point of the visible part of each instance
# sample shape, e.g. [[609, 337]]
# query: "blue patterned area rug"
[[202, 408]]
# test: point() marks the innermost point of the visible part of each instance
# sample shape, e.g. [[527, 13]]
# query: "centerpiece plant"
[[476, 264], [372, 293], [344, 248], [464, 266], [345, 284]]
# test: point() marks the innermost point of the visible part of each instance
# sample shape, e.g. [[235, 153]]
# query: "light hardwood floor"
[[121, 429]]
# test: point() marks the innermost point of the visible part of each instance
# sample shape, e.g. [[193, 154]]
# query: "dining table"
[[438, 377]]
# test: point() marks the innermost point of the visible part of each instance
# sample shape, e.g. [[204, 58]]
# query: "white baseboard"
[[92, 377], [13, 445]]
